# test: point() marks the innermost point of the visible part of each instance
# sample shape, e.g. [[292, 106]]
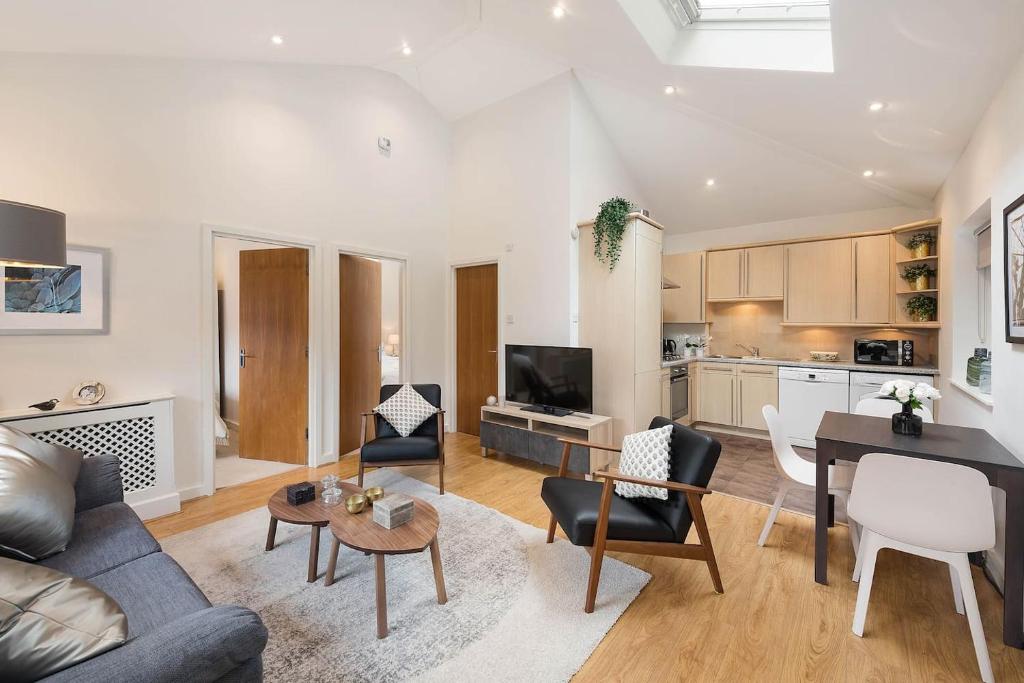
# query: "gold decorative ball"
[[355, 503], [373, 494]]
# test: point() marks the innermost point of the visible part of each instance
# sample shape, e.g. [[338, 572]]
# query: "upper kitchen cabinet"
[[684, 304], [872, 279], [763, 272], [818, 282], [725, 274], [754, 273]]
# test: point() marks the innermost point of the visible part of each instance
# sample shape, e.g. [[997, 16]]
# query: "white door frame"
[[208, 335], [334, 363], [453, 380]]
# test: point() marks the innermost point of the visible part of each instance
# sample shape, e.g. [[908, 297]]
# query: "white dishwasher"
[[804, 396]]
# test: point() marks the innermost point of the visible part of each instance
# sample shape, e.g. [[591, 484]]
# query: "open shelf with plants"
[[916, 276]]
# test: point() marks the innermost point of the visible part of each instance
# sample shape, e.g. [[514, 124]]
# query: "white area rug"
[[514, 611]]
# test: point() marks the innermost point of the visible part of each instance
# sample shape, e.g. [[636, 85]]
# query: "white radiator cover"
[[140, 433]]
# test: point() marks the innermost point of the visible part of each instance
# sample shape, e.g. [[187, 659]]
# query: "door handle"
[[242, 355], [492, 351]]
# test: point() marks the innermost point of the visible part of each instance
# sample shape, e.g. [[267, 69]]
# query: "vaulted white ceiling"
[[780, 144]]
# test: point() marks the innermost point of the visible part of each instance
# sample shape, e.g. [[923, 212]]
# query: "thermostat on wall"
[[384, 145]]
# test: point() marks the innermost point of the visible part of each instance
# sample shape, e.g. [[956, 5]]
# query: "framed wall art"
[[69, 300], [1013, 252]]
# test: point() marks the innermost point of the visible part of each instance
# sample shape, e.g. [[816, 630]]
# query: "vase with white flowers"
[[910, 395]]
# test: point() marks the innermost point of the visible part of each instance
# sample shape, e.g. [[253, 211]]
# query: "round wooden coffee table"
[[313, 514], [360, 532]]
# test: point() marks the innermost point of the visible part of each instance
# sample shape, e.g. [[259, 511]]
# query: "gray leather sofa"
[[174, 633]]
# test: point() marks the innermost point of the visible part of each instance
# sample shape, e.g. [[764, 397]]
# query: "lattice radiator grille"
[[132, 440]]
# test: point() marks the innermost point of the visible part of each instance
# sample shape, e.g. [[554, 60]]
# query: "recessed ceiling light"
[[277, 40], [406, 50], [670, 90], [876, 106], [558, 11], [710, 182], [868, 173]]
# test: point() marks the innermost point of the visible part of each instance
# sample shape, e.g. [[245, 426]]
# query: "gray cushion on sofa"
[[65, 461], [152, 591], [103, 538], [99, 482]]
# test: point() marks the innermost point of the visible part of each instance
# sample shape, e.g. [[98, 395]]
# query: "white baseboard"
[[190, 492], [152, 508]]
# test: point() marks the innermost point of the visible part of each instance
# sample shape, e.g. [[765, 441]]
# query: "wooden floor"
[[774, 623]]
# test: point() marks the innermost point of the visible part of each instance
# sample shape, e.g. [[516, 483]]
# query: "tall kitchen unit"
[[620, 319]]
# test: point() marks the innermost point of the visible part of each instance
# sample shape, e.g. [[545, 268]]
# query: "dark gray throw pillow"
[[50, 621], [37, 507], [66, 461]]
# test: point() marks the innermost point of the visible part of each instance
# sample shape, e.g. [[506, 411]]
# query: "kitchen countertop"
[[807, 363]]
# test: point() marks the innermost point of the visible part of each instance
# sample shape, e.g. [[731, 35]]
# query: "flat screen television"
[[557, 380]]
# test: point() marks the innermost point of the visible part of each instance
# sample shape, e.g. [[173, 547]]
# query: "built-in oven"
[[680, 390]]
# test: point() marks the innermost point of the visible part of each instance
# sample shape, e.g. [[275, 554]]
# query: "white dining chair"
[[797, 472], [937, 510], [878, 406]]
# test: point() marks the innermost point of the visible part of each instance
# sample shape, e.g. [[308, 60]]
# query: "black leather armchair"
[[593, 516], [425, 446]]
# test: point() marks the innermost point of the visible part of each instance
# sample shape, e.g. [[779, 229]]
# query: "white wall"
[[141, 152], [526, 170], [991, 168], [511, 201], [832, 224]]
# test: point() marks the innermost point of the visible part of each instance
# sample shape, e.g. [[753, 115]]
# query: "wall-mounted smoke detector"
[[384, 146]]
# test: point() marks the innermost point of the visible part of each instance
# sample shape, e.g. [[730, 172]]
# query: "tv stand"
[[525, 432], [549, 410]]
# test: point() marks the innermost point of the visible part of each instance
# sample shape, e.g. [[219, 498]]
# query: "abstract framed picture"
[[69, 300], [1013, 251]]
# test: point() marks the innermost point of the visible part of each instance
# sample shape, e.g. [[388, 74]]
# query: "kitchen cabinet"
[[685, 304], [725, 274], [620, 319], [872, 280], [666, 393], [819, 277], [758, 386], [752, 273], [717, 393], [763, 272]]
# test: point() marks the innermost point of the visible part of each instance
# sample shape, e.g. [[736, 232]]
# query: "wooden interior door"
[[360, 283], [476, 342], [273, 334]]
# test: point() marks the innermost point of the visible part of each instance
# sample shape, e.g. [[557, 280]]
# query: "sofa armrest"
[[98, 483], [199, 647]]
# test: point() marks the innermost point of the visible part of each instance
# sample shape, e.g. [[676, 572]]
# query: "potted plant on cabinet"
[[609, 229], [919, 276], [921, 244], [922, 309]]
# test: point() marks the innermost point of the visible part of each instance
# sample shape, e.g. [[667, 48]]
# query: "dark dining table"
[[842, 436]]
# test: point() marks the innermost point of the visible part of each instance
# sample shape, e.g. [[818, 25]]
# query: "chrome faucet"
[[754, 351]]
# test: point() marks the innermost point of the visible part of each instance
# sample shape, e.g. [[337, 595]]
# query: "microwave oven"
[[883, 352]]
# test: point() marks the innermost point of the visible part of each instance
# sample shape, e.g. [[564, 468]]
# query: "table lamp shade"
[[31, 236], [392, 339]]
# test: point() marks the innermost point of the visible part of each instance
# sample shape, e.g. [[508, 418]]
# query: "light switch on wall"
[[510, 319]]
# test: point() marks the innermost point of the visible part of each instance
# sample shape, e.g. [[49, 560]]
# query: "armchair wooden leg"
[[551, 529], [600, 538], [697, 512], [360, 482], [440, 477]]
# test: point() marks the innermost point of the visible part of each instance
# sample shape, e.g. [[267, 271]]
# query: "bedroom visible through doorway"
[[371, 349]]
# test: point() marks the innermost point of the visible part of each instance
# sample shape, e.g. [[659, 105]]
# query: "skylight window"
[[687, 12]]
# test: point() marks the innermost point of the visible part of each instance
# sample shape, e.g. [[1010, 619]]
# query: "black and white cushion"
[[645, 455], [406, 410]]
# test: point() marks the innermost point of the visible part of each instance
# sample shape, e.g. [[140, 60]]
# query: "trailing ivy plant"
[[609, 228]]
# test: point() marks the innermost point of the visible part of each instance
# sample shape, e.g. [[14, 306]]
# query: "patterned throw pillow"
[[406, 410], [645, 455]]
